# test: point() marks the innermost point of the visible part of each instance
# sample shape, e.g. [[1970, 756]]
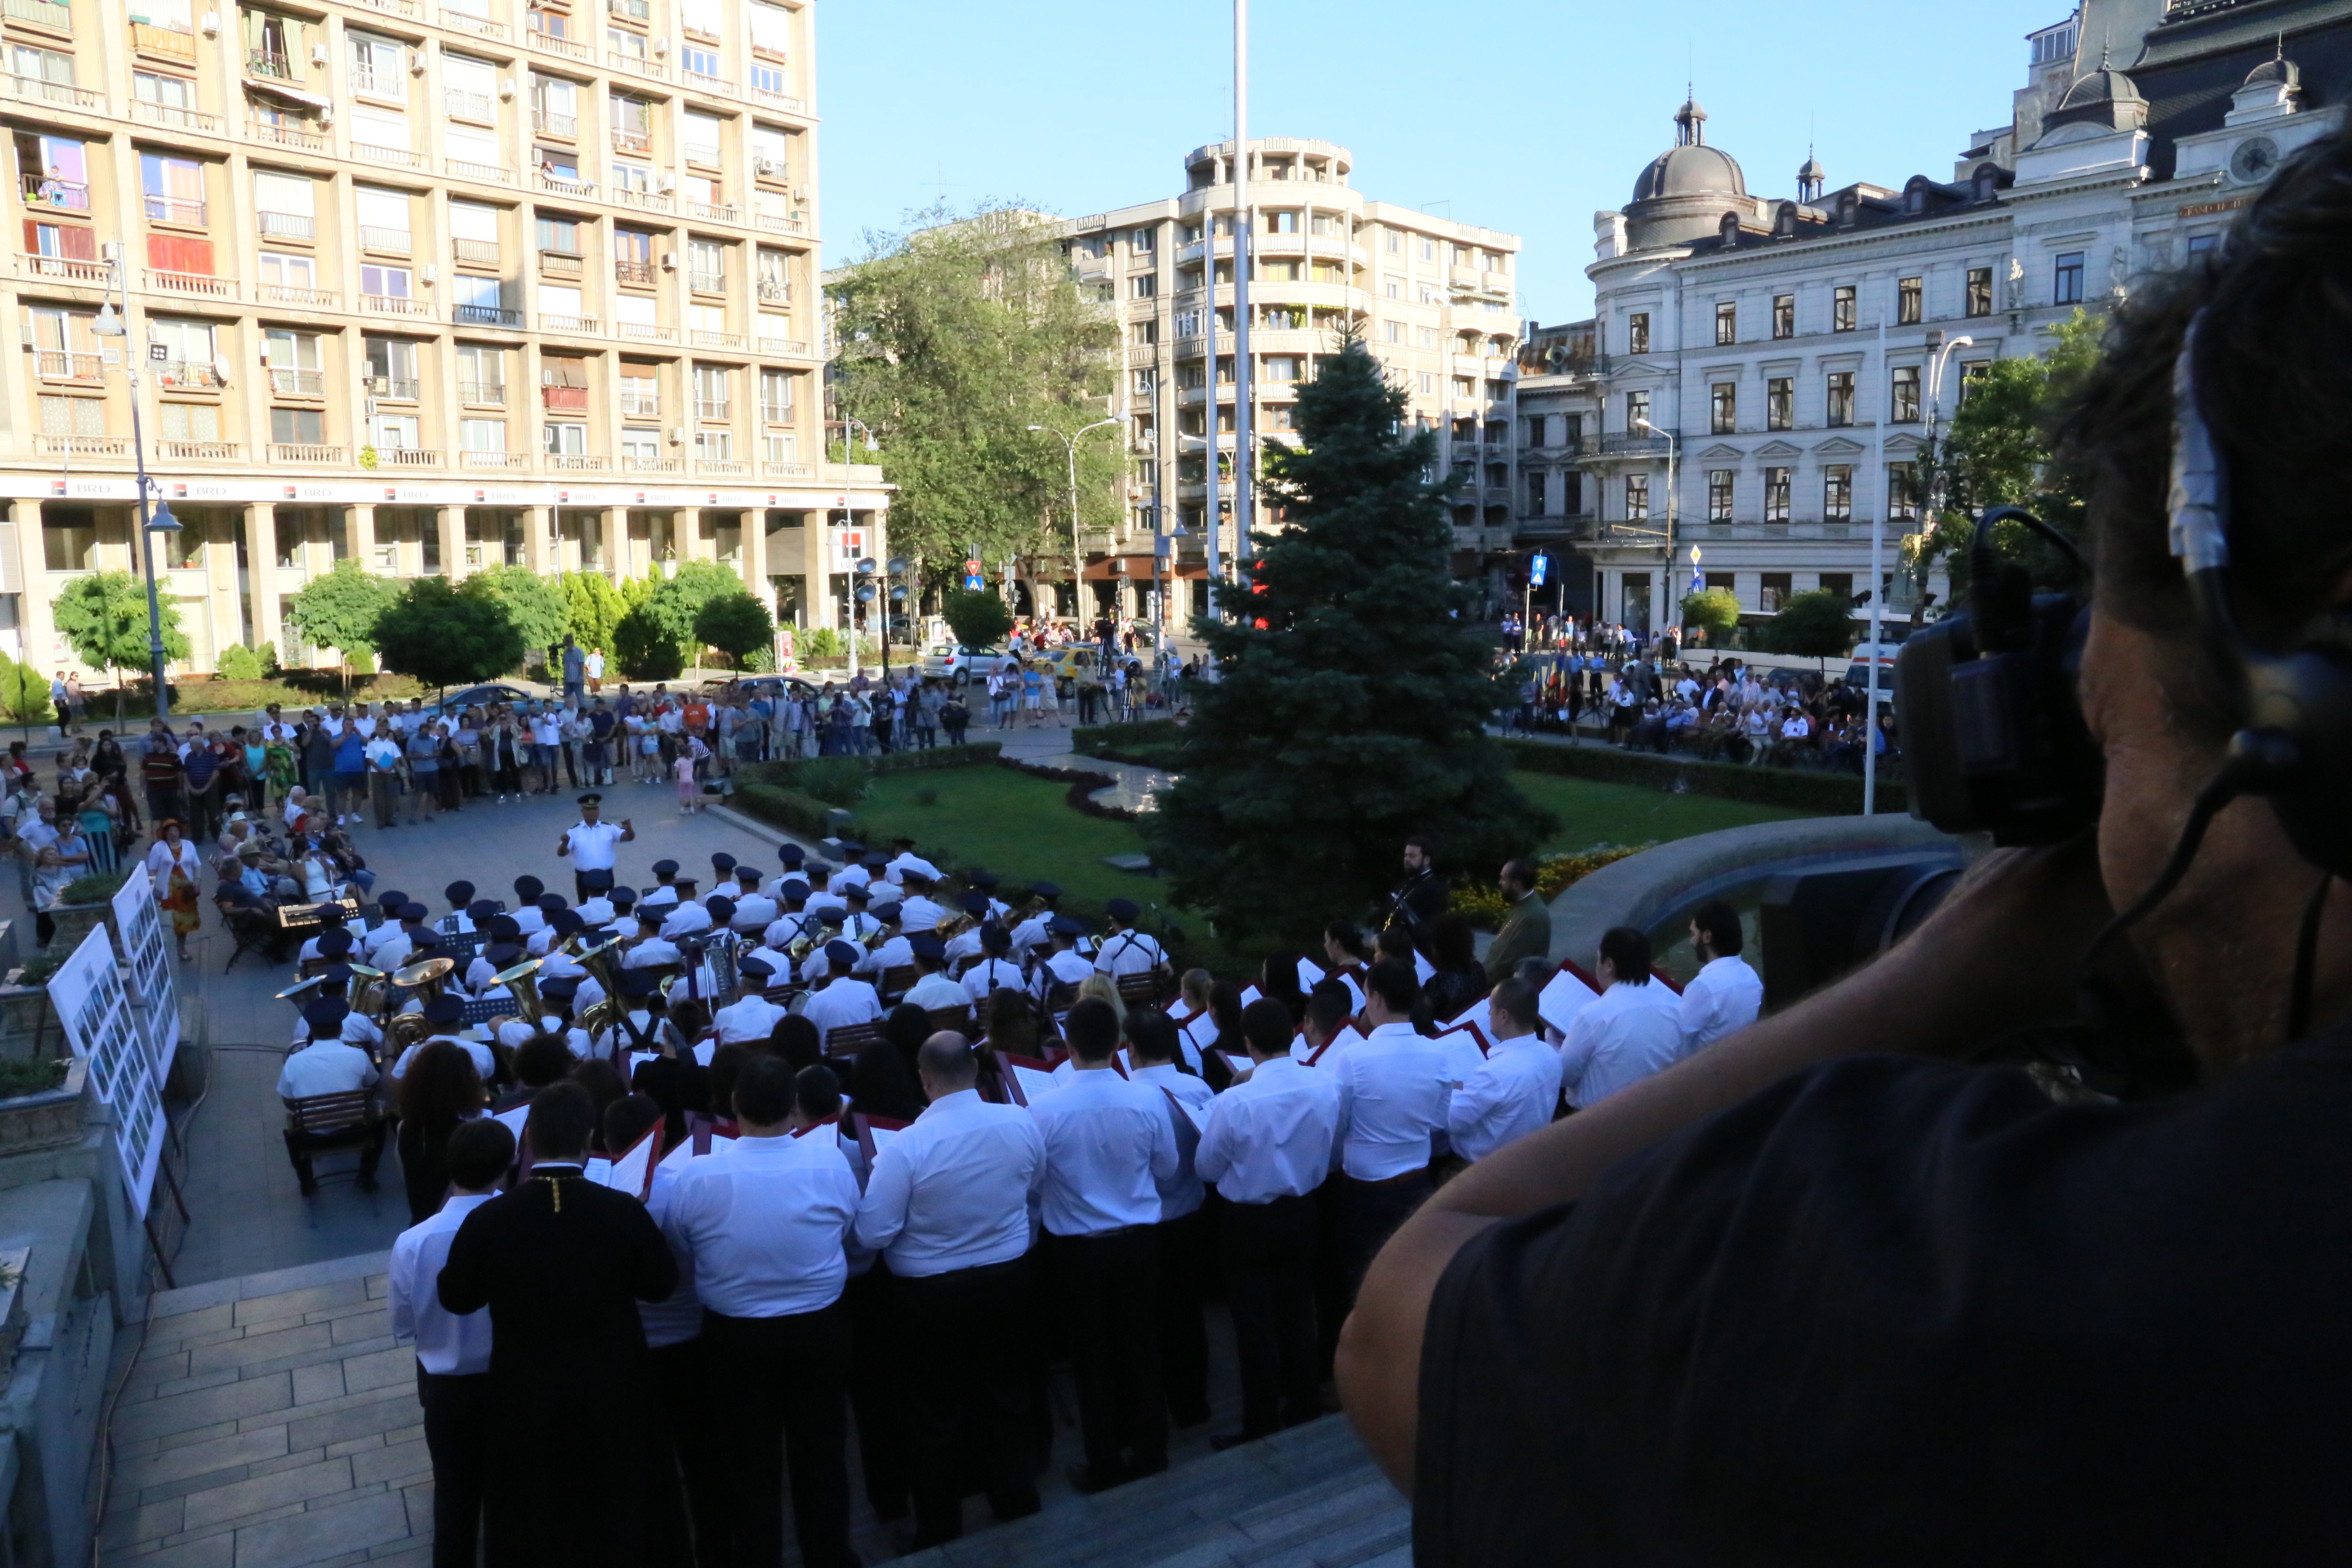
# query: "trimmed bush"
[[795, 777], [1143, 732], [787, 809], [1828, 793]]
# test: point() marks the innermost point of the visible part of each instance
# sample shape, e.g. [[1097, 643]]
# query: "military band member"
[[1035, 931], [1182, 1230], [329, 1064], [986, 883], [594, 845], [841, 998], [754, 910], [994, 972], [445, 1014], [504, 936], [528, 891], [857, 923], [334, 985], [333, 921], [651, 950], [933, 992], [1127, 951], [918, 912], [854, 872], [690, 919], [793, 921], [413, 933], [754, 1018], [792, 858], [964, 946], [458, 921], [1062, 967], [821, 894], [638, 1028]]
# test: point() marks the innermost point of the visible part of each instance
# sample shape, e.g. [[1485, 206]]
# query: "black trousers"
[[1370, 1213], [779, 1388], [1106, 1291], [1269, 1257], [682, 1372], [456, 1435], [1184, 1263], [975, 1399], [876, 1346]]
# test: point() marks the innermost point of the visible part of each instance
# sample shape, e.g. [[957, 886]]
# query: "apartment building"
[[1727, 415], [1433, 299], [431, 285]]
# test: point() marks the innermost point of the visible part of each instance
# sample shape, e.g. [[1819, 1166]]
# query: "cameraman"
[[1789, 1302]]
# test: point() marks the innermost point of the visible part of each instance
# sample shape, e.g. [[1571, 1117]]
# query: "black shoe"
[[1225, 1442], [1085, 1480]]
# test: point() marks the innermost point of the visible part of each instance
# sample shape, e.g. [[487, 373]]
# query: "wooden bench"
[[1140, 988], [322, 1122], [848, 1039]]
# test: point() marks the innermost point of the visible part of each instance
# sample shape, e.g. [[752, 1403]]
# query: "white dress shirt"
[[1182, 1193], [1270, 1135], [1066, 967], [992, 975], [767, 1226], [1724, 996], [593, 844], [686, 919], [1108, 1144], [895, 953], [964, 945], [843, 1002], [1620, 1038], [1393, 1085], [1029, 932], [1509, 1095], [484, 1063], [753, 1018], [531, 920], [447, 1345], [1129, 952], [753, 912], [652, 952], [677, 1318], [936, 992], [329, 1067], [358, 1030], [820, 900], [951, 1190], [918, 913]]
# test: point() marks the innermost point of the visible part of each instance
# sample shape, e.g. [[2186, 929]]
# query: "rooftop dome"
[[2278, 72], [1690, 167], [2105, 85], [1812, 170]]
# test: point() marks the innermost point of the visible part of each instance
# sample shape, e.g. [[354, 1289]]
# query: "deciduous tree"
[[978, 619], [1714, 611], [737, 624], [1816, 624], [103, 618], [535, 604], [446, 635], [339, 609], [1351, 710]]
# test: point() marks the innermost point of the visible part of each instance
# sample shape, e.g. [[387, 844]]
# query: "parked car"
[[1078, 663], [957, 662], [777, 687], [482, 697]]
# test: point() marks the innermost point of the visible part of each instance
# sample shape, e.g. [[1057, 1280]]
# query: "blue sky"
[[1523, 116]]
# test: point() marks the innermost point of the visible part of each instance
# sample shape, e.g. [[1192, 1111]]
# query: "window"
[[1841, 308], [1780, 403], [712, 396], [1637, 332], [1784, 315], [1840, 397], [775, 397], [1837, 493], [191, 351], [705, 318], [384, 282], [391, 368], [382, 220], [474, 234], [295, 368], [2067, 286], [771, 31], [272, 45], [640, 447], [482, 434], [1907, 394], [564, 439], [1718, 495], [377, 65], [1393, 331], [282, 206], [69, 546], [714, 445], [1637, 497], [559, 237], [191, 421], [1776, 497], [1428, 338], [287, 274], [1902, 497], [702, 62], [1726, 321], [2198, 244], [298, 426], [700, 134], [554, 104], [480, 302], [1637, 412], [1775, 591], [1972, 371], [482, 378], [1908, 301], [52, 171], [1428, 383], [62, 242], [395, 431], [640, 391], [1979, 291], [1723, 406], [1428, 248], [469, 89], [1144, 285], [172, 96]]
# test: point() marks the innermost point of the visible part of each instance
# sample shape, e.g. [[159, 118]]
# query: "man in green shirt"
[[1527, 928]]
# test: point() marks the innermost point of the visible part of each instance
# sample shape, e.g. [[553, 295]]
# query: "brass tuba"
[[371, 992], [428, 978], [300, 992], [521, 981], [603, 963]]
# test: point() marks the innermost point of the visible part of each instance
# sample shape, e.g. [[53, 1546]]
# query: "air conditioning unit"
[[507, 89], [318, 54], [661, 48], [430, 272], [678, 435], [669, 260], [665, 182], [327, 115], [110, 250], [416, 61], [211, 24]]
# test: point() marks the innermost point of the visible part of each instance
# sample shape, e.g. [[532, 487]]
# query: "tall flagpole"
[[1244, 384], [1877, 580]]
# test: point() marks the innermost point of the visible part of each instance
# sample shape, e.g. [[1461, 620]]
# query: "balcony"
[[704, 282], [386, 241], [375, 83], [397, 389], [559, 264], [82, 445], [290, 452], [566, 185], [461, 104], [646, 332], [49, 13], [713, 408], [393, 7], [704, 154], [623, 60], [640, 273], [633, 464], [493, 460], [722, 467], [468, 22], [392, 157], [1628, 447], [290, 294], [638, 405], [552, 122], [200, 285], [764, 168], [701, 83], [265, 64], [708, 340], [483, 394], [562, 464], [789, 470], [40, 89], [635, 10], [67, 195], [555, 44], [201, 451], [394, 305], [180, 210], [717, 212], [172, 43], [66, 364], [287, 225], [408, 457], [554, 323], [176, 117], [485, 316], [788, 348], [781, 222], [651, 201], [783, 100], [775, 291], [639, 143], [297, 382], [189, 375], [286, 136], [560, 399], [487, 173]]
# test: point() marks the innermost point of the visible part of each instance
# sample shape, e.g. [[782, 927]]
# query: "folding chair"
[[322, 1122], [256, 931]]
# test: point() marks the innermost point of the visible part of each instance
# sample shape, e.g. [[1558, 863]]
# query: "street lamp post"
[[1935, 407], [849, 519], [152, 521], [1070, 444], [1673, 460]]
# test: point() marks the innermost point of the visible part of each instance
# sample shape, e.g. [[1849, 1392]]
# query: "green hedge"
[[786, 775], [1085, 738], [787, 809], [1828, 793]]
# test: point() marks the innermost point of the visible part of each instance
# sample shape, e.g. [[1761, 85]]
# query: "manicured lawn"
[[1015, 826], [1593, 813]]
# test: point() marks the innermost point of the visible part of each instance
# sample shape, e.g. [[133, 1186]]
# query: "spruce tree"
[[1354, 689]]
